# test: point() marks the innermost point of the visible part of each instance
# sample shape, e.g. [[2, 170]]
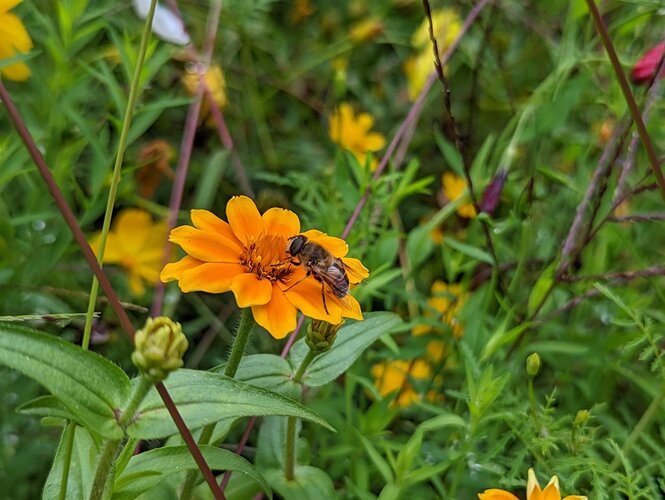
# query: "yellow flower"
[[14, 39], [453, 188], [533, 491], [447, 25], [248, 256], [214, 80], [446, 301], [394, 376], [352, 132], [366, 30], [136, 243]]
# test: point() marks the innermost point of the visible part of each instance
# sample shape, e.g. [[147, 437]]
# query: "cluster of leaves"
[[537, 109]]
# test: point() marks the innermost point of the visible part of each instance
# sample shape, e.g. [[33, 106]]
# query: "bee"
[[327, 269]]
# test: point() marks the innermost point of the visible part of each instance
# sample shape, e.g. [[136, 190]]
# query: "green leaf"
[[88, 384], [419, 245], [147, 469], [81, 470], [441, 422], [469, 250], [205, 397], [267, 371], [47, 406], [541, 289], [309, 483], [352, 339]]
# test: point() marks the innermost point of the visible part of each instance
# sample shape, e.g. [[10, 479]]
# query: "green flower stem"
[[68, 442], [243, 333], [112, 447], [290, 458], [115, 180], [641, 426]]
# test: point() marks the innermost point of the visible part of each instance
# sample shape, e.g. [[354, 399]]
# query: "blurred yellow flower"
[[214, 80], [453, 188], [533, 491], [394, 376], [352, 132], [447, 26], [136, 243], [14, 39], [366, 30], [446, 303]]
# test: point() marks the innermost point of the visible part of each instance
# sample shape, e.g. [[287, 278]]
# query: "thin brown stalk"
[[125, 323], [656, 216], [628, 95], [459, 145]]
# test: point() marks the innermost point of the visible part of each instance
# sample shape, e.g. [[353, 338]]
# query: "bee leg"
[[299, 281], [323, 296]]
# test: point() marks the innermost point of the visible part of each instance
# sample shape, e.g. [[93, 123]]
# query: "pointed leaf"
[[147, 469], [90, 385], [309, 483], [352, 339], [204, 397]]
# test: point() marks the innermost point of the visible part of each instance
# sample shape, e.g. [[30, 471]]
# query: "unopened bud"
[[158, 348], [321, 335], [581, 417], [533, 364]]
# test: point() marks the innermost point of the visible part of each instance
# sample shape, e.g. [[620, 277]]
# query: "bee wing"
[[336, 280]]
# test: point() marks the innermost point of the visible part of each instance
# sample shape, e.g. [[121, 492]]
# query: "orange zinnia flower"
[[248, 256]]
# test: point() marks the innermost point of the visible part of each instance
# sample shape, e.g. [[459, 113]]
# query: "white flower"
[[166, 25]]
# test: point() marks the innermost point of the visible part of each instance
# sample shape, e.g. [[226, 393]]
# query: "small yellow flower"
[[247, 255], [14, 39], [394, 376], [136, 243], [453, 188], [352, 132], [446, 302], [447, 25], [216, 83], [533, 491], [366, 30]]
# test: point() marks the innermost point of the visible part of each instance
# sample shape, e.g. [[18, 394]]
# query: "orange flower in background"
[[352, 132], [135, 243], [14, 40], [533, 491], [453, 188], [154, 159], [248, 257]]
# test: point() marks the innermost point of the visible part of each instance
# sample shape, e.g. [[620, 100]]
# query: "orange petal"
[[281, 221], [335, 246], [205, 245], [350, 307], [355, 270], [277, 316], [244, 218], [210, 277], [175, 270], [250, 290], [207, 221], [306, 296], [495, 494]]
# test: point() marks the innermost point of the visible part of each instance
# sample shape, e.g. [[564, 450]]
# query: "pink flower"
[[645, 68]]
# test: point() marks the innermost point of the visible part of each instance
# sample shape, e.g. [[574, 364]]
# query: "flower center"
[[266, 257]]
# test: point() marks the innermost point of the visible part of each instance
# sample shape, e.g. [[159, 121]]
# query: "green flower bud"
[[158, 348], [581, 417], [321, 335], [533, 365]]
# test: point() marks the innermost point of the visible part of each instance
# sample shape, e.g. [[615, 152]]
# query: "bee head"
[[295, 244]]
